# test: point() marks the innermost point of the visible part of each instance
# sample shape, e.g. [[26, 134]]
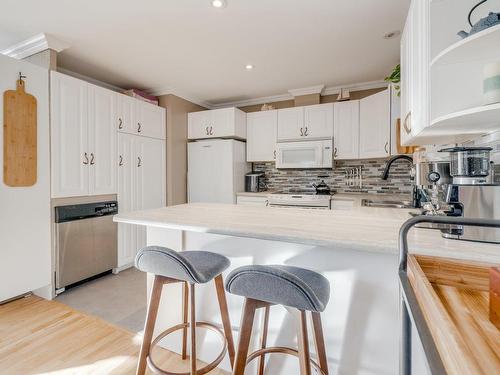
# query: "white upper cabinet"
[[86, 120], [134, 116], [102, 138], [346, 130], [125, 120], [217, 123], [70, 155], [262, 130], [318, 121], [150, 120], [375, 125], [291, 124], [305, 123]]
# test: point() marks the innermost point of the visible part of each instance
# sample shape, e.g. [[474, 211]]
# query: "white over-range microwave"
[[304, 154]]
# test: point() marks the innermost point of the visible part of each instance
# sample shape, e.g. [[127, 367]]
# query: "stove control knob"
[[434, 177]]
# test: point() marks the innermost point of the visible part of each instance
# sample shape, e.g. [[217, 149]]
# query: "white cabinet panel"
[[102, 141], [346, 130], [318, 121], [291, 124], [125, 121], [375, 125], [70, 157], [262, 130], [141, 185], [150, 169], [150, 120]]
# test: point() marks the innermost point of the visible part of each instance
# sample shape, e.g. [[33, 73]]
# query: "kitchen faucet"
[[415, 191], [385, 175]]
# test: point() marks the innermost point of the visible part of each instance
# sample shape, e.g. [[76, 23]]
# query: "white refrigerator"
[[216, 170]]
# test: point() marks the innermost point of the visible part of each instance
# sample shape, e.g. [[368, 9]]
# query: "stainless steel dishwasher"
[[86, 241]]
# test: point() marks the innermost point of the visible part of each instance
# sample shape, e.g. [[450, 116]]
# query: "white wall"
[[25, 253]]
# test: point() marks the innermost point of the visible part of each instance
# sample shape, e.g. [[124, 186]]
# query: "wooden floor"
[[46, 337]]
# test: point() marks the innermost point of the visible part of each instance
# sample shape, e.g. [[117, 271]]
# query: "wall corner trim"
[[35, 44]]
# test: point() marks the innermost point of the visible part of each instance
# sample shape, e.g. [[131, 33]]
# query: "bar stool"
[[300, 291], [189, 268]]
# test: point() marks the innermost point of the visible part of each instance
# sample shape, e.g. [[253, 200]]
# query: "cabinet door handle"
[[86, 161], [120, 163], [385, 147], [407, 123], [301, 132], [206, 129], [274, 154], [211, 131], [305, 132], [139, 161], [335, 152], [92, 158], [120, 123], [138, 127]]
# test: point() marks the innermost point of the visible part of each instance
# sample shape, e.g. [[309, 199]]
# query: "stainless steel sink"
[[385, 204]]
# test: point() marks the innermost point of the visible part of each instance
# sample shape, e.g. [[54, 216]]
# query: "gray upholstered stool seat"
[[196, 267], [283, 285]]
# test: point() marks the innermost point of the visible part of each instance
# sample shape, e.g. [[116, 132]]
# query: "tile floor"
[[119, 299]]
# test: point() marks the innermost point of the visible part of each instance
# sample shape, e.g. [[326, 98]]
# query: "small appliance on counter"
[[464, 188], [254, 182]]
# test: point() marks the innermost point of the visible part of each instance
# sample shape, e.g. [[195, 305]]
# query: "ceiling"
[[189, 48]]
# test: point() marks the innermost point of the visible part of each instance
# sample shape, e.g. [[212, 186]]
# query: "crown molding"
[[255, 101], [168, 90], [278, 98], [94, 81], [355, 87], [35, 44], [307, 90]]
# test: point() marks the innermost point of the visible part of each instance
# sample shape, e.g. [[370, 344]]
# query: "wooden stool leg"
[[263, 339], [185, 312], [303, 341], [154, 302], [192, 327], [319, 341], [245, 334], [224, 311]]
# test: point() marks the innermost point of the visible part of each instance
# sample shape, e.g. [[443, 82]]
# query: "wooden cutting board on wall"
[[19, 137]]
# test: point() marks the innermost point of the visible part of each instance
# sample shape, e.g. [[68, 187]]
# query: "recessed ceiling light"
[[249, 66], [219, 3], [392, 34]]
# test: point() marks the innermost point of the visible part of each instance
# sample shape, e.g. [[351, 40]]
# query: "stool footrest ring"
[[157, 370], [281, 350]]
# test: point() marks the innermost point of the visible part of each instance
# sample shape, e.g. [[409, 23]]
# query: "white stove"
[[302, 199]]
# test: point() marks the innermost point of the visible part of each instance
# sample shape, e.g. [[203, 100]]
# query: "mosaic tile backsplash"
[[287, 180]]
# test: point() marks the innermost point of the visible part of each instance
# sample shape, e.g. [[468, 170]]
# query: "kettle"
[[322, 188], [490, 20]]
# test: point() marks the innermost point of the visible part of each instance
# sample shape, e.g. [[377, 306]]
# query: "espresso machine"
[[465, 185]]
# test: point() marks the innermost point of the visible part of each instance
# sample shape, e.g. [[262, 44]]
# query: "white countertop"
[[362, 228]]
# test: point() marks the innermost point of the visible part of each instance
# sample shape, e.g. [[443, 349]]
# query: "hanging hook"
[[21, 77]]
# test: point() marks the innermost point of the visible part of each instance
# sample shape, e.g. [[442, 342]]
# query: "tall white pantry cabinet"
[[103, 142]]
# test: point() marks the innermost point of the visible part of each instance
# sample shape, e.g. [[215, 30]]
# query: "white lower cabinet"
[[141, 185], [252, 201]]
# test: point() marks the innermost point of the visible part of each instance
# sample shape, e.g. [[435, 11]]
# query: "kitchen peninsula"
[[356, 250]]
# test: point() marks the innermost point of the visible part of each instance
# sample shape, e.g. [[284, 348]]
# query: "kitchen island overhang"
[[356, 250]]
